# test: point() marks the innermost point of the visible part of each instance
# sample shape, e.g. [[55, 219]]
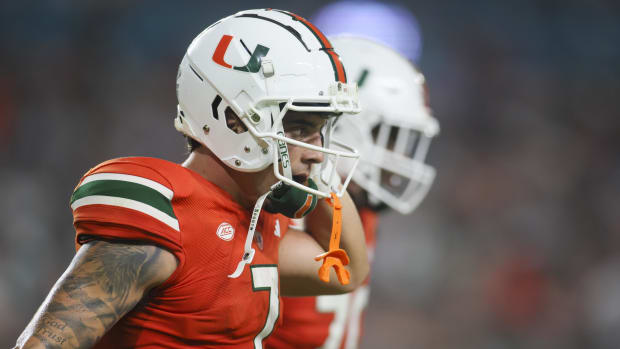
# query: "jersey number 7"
[[265, 278]]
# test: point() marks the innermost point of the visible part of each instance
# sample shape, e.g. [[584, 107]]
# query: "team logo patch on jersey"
[[226, 231]]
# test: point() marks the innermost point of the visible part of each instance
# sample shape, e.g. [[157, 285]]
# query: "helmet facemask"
[[392, 167], [342, 99], [398, 174]]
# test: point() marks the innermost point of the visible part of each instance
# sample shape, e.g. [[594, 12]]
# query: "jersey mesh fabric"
[[304, 326], [199, 305]]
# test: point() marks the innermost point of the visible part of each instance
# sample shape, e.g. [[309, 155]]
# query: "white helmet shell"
[[259, 63], [394, 130]]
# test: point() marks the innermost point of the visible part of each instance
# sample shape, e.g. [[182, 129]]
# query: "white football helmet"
[[259, 64], [394, 130]]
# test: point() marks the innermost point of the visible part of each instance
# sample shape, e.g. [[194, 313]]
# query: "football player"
[[393, 133], [194, 255]]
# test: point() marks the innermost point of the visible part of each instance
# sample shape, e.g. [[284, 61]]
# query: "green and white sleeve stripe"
[[133, 192]]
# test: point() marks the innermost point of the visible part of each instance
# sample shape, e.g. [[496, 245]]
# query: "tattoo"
[[107, 281], [57, 339]]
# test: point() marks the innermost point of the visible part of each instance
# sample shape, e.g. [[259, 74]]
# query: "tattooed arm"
[[103, 282]]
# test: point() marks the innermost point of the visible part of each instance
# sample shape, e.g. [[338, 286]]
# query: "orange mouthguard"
[[335, 257]]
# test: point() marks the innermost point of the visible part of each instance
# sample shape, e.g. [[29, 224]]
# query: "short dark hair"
[[192, 144]]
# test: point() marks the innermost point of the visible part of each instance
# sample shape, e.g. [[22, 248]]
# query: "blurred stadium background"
[[518, 243]]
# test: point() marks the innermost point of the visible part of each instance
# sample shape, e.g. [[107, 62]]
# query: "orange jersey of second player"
[[327, 322], [158, 202]]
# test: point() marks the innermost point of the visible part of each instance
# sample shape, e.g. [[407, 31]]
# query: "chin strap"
[[335, 257], [248, 251]]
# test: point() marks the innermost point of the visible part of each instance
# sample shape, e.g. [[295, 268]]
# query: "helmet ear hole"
[[233, 122]]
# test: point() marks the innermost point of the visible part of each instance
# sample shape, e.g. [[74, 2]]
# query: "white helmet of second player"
[[256, 65], [394, 130]]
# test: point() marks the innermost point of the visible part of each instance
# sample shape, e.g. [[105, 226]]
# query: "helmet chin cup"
[[291, 201]]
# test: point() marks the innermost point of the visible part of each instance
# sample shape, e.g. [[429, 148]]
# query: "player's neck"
[[244, 187]]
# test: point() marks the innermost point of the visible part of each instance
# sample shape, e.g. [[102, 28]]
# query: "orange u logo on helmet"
[[253, 64]]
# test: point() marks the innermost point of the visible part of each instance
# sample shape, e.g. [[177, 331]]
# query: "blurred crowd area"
[[517, 244]]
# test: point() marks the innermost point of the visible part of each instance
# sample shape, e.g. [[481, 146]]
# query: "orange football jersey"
[[163, 203], [327, 322]]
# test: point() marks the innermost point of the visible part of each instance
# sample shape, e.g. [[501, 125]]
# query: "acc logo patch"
[[225, 231]]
